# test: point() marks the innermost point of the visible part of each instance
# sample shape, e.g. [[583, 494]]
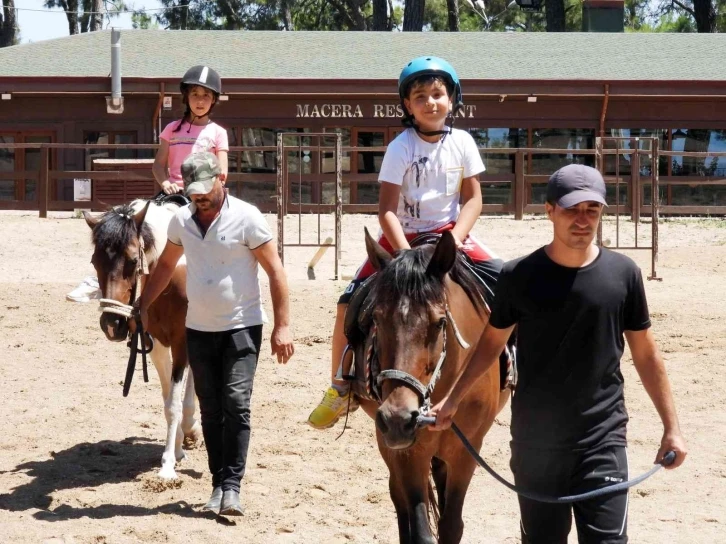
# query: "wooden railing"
[[519, 181]]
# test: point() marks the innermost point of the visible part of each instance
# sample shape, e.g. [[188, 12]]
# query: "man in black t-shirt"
[[574, 305]]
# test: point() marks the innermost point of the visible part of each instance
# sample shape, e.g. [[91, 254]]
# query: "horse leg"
[[173, 451], [459, 473], [191, 428], [412, 473], [439, 473], [399, 503]]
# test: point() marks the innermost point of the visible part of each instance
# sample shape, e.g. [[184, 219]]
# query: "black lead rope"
[[533, 495], [133, 344]]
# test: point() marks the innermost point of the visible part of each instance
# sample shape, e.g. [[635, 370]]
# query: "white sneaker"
[[87, 290]]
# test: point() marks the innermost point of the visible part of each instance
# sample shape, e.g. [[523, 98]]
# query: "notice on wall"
[[167, 103]]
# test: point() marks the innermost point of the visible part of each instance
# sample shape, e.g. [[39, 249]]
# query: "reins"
[[533, 495]]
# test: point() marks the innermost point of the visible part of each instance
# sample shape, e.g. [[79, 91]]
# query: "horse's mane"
[[405, 276], [116, 228]]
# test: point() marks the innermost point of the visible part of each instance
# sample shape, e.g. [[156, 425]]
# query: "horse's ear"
[[141, 215], [377, 255], [444, 257], [90, 219]]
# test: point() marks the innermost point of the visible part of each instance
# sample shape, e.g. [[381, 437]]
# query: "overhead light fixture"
[[223, 98], [531, 99], [6, 96], [529, 5]]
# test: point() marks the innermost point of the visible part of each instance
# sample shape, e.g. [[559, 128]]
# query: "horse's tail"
[[433, 511]]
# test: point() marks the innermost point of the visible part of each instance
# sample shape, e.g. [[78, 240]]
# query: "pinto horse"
[[127, 241], [424, 314]]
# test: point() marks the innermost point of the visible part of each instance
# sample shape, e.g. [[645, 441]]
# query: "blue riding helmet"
[[434, 66]]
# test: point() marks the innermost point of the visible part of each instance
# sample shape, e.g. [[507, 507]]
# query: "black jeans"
[[601, 520], [223, 364]]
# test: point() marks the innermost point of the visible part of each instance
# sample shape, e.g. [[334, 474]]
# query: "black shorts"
[[487, 271], [602, 520]]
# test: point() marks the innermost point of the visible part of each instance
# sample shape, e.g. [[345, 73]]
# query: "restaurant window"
[[327, 164], [109, 137], [369, 162], [7, 164], [498, 163], [22, 160], [700, 140], [565, 139], [547, 163], [264, 162]]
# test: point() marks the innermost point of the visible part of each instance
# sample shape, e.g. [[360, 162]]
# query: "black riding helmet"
[[203, 76]]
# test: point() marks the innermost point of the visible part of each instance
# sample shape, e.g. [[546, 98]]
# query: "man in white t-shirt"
[[224, 239]]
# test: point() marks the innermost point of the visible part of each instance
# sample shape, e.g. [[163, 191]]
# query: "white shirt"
[[223, 287], [430, 176]]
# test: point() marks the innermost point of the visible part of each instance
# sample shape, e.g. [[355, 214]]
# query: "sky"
[[38, 26]]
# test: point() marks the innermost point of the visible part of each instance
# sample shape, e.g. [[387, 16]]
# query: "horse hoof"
[[167, 473], [180, 456], [193, 440]]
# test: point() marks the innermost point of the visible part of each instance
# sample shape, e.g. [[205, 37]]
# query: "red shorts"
[[476, 251]]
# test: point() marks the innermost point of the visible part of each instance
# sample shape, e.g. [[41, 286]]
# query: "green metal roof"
[[377, 55]]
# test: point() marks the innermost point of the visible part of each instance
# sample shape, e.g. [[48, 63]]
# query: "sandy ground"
[[78, 461]]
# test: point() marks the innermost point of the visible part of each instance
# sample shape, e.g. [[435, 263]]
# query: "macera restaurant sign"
[[333, 111]]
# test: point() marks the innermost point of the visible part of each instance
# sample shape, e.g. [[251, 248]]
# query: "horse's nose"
[[114, 327], [398, 427]]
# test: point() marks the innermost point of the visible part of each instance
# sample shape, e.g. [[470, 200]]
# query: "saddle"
[[361, 344], [362, 340], [177, 198]]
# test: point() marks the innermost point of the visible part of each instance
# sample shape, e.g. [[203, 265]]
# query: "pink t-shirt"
[[210, 137]]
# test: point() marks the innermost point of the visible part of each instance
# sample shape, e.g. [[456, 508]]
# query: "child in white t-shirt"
[[428, 184]]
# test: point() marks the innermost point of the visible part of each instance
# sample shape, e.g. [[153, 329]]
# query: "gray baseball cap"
[[576, 183], [199, 171]]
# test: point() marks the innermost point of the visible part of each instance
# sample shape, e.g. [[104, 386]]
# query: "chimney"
[[115, 102], [603, 16]]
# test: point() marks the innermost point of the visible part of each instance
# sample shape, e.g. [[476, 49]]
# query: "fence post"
[[43, 183], [519, 198], [280, 199], [635, 188], [600, 166]]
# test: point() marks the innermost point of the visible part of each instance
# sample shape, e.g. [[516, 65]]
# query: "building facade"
[[521, 91]]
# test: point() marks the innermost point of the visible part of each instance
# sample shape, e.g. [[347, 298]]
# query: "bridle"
[[112, 306], [424, 391]]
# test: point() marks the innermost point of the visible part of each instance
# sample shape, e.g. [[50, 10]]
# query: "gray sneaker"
[[230, 504], [215, 501]]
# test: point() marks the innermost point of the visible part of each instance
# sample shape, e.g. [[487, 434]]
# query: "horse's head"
[[116, 237], [410, 317]]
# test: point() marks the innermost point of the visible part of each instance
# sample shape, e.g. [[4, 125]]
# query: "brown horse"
[[426, 312], [127, 241]]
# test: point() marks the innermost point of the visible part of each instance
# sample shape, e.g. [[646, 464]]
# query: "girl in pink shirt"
[[200, 88]]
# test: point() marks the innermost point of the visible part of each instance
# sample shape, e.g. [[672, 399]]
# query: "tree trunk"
[[86, 7], [452, 7], [8, 34], [97, 17], [413, 15], [231, 11], [286, 13], [704, 12], [184, 19], [355, 7], [380, 15], [71, 8], [555, 12]]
